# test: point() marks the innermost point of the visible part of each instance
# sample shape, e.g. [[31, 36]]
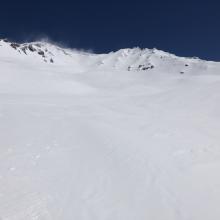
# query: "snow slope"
[[129, 135]]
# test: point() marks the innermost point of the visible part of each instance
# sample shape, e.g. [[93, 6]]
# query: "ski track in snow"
[[108, 144]]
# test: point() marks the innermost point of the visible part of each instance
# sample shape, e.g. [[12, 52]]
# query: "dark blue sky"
[[186, 28]]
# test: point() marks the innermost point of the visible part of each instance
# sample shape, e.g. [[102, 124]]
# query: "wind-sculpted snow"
[[86, 137]]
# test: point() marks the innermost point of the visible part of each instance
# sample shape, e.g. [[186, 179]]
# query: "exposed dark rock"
[[140, 66], [31, 48], [15, 45], [146, 67], [66, 53], [41, 53], [51, 60], [181, 72], [24, 50]]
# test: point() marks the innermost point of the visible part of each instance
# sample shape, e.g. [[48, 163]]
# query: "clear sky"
[[186, 28]]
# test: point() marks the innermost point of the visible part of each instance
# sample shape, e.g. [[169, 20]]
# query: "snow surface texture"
[[129, 135]]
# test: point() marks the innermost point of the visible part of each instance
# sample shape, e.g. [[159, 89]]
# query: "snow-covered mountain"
[[135, 59], [133, 134]]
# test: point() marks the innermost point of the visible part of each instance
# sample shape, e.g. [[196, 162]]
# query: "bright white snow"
[[97, 137]]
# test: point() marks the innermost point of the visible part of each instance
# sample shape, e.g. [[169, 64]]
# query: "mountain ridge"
[[128, 59], [28, 45]]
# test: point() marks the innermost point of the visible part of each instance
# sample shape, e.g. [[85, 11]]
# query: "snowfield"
[[129, 135]]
